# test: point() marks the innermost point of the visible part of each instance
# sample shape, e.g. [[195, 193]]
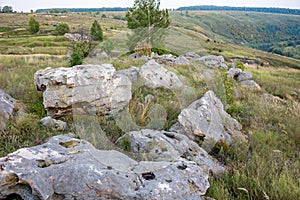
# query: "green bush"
[[239, 64], [34, 25], [80, 50], [96, 31], [62, 28]]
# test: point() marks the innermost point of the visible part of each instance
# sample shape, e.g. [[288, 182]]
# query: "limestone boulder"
[[234, 72], [244, 76], [54, 124], [206, 122], [251, 84], [168, 146], [153, 75], [213, 60], [83, 89], [7, 104], [68, 168]]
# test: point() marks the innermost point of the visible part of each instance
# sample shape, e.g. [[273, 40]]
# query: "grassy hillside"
[[268, 32], [265, 168]]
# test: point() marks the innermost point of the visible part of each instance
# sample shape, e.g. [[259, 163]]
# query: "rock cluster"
[[172, 164], [97, 88], [245, 79], [185, 59]]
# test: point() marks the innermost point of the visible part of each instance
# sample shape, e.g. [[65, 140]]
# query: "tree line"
[[63, 10], [6, 9], [249, 9]]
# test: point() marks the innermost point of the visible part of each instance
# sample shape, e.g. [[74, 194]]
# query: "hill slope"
[[276, 33]]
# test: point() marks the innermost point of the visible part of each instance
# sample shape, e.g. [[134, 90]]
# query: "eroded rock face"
[[83, 89], [206, 120], [68, 168], [168, 146], [7, 104]]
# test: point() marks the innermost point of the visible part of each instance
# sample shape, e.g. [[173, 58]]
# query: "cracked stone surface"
[[68, 168], [205, 119]]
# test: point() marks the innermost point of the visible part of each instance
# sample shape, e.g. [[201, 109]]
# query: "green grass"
[[16, 78], [55, 45], [268, 166], [289, 82]]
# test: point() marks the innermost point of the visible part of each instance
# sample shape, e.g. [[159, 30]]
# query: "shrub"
[[34, 25], [96, 31], [62, 28], [239, 64], [80, 50]]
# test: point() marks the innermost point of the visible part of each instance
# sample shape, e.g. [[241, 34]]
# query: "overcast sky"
[[27, 5]]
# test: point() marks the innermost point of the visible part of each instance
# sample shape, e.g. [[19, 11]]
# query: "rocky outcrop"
[[68, 168], [83, 89], [250, 84], [244, 79], [191, 56], [213, 60], [244, 76], [166, 146], [97, 89], [206, 121], [76, 36], [7, 104], [54, 124]]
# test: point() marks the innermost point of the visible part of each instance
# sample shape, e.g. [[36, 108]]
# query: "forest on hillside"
[[248, 9]]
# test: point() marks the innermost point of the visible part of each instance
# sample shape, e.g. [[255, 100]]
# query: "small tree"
[[96, 31], [147, 21], [7, 9], [34, 25], [62, 28]]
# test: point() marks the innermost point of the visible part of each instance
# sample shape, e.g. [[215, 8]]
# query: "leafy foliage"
[[147, 21], [62, 28], [239, 64], [6, 9], [246, 9], [80, 49], [96, 31], [34, 25]]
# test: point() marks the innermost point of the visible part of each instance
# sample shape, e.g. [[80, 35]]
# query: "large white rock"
[[83, 89], [68, 168], [154, 75], [168, 146], [206, 120]]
